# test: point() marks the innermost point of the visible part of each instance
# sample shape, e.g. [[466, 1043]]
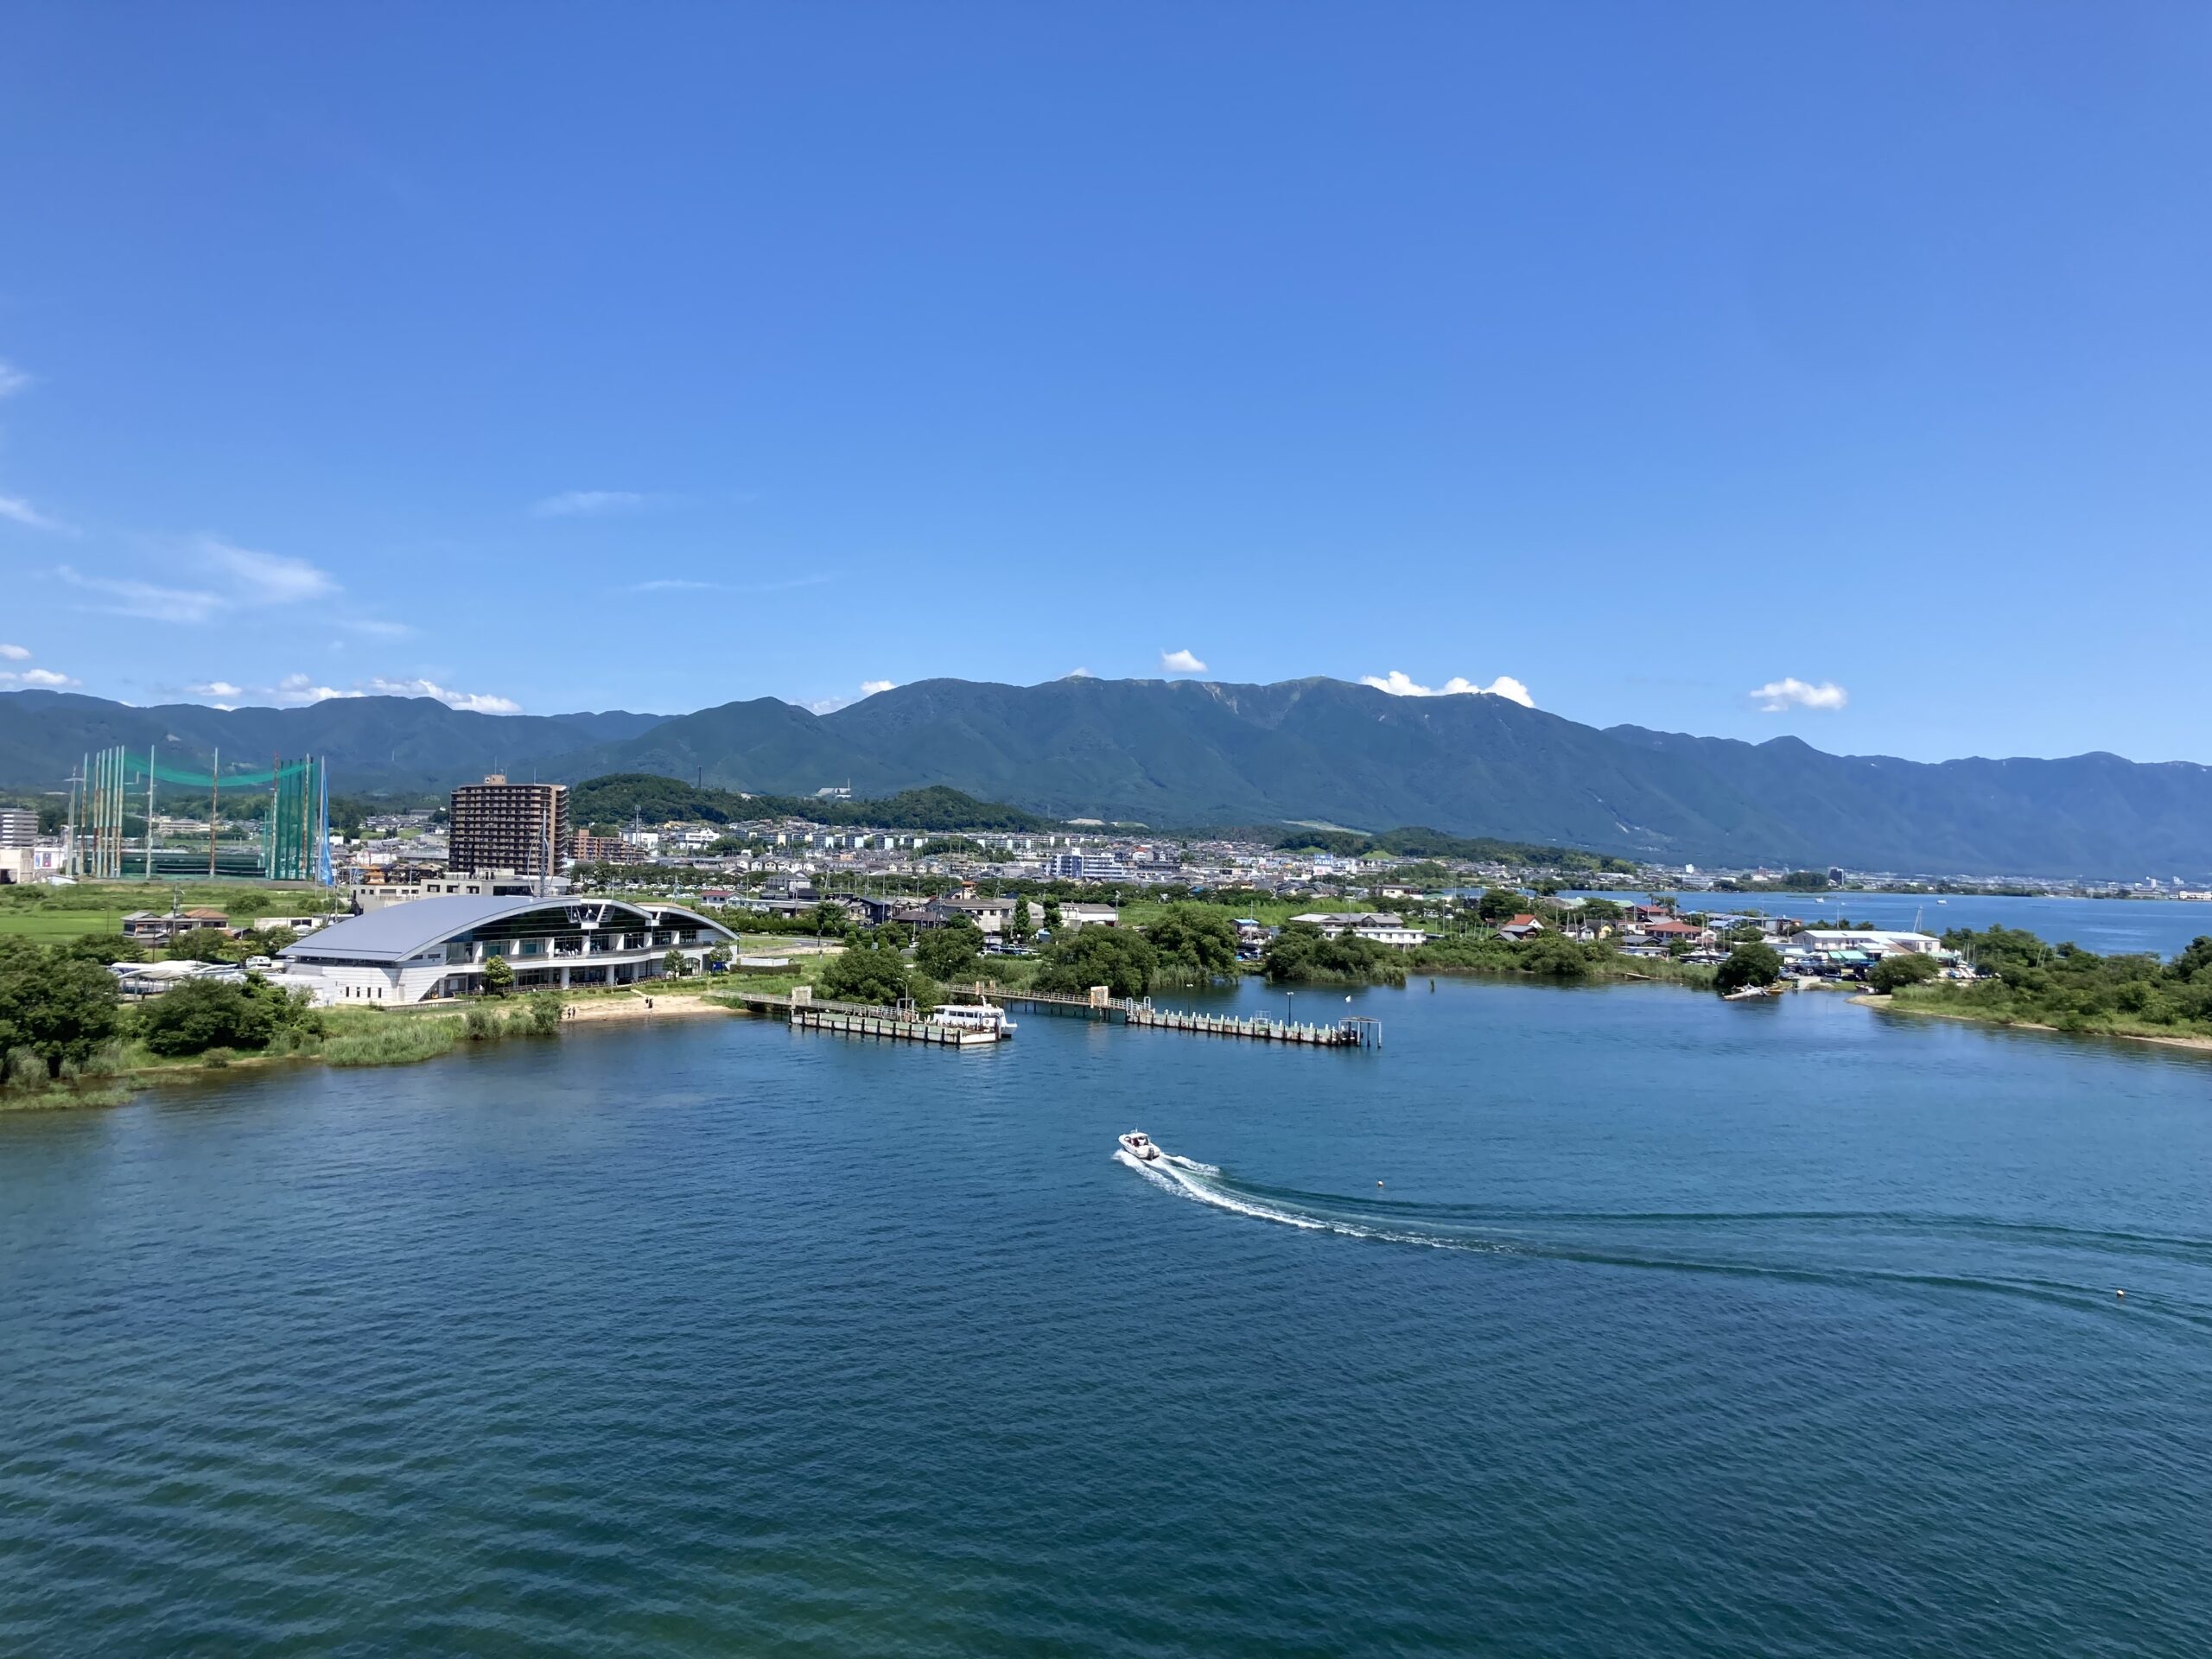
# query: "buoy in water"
[[2121, 1295]]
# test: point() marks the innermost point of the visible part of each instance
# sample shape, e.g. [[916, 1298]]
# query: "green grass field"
[[51, 926]]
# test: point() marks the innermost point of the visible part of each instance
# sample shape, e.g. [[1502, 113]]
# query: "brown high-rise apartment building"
[[497, 825]]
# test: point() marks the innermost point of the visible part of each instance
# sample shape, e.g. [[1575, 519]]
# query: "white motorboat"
[[1138, 1146]]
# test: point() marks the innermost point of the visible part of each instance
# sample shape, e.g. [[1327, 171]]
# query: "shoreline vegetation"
[[2034, 986], [67, 1039]]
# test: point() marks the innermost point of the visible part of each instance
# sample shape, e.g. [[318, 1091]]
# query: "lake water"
[[1569, 1323], [2106, 926]]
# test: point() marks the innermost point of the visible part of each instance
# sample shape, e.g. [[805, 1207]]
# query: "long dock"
[[1352, 1032], [881, 1025], [864, 1019]]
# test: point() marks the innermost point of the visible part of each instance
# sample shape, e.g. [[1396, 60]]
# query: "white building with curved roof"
[[437, 947]]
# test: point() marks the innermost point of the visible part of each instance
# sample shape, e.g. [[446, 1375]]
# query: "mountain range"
[[1187, 753]]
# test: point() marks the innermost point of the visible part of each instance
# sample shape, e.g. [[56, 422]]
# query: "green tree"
[[1748, 964], [205, 944], [1553, 956], [1903, 968], [57, 1003], [1500, 904], [870, 969], [1300, 952], [675, 965], [1745, 933], [499, 978], [1195, 942], [1053, 917], [951, 953], [828, 920], [204, 1014], [1022, 929], [1121, 959]]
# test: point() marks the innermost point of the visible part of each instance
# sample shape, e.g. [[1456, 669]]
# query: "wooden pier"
[[880, 1024], [1351, 1033], [865, 1019]]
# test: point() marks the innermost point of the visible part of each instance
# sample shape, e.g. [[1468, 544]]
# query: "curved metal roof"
[[397, 931]]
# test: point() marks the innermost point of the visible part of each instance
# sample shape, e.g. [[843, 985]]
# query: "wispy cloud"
[[15, 653], [246, 580], [1077, 674], [145, 598], [1404, 686], [376, 627], [215, 688], [12, 379], [265, 578], [695, 585], [1181, 662], [582, 504], [1777, 697], [18, 511], [870, 687]]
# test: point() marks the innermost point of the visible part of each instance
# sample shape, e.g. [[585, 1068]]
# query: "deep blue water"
[[1674, 1328], [2105, 925]]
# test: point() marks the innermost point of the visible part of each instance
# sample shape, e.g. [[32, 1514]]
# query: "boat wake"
[[2166, 1276]]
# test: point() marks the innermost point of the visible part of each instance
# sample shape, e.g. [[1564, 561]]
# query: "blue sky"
[[651, 356]]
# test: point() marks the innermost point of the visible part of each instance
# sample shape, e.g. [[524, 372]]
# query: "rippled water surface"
[[1571, 1322]]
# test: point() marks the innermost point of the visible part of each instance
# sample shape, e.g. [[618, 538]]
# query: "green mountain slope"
[[1187, 753]]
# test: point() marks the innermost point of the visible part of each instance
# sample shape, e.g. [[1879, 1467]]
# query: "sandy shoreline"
[[665, 1005]]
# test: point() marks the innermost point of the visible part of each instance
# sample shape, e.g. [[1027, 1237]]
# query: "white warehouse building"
[[436, 948]]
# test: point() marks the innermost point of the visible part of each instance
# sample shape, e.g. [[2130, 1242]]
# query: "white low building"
[[437, 947], [1376, 926], [1874, 941]]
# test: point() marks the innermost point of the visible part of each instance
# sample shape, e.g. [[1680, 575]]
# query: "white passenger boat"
[[1139, 1145], [973, 1016]]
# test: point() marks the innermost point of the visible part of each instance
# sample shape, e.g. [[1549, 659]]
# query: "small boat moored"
[[1139, 1145]]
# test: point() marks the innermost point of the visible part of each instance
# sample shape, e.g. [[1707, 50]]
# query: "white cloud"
[[12, 379], [15, 653], [478, 703], [299, 689], [578, 504], [1404, 686], [832, 704], [15, 507], [266, 578], [147, 599], [1777, 695], [1181, 662], [376, 628], [45, 677], [1077, 674]]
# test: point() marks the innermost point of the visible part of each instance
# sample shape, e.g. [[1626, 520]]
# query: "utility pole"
[[149, 811], [214, 788]]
